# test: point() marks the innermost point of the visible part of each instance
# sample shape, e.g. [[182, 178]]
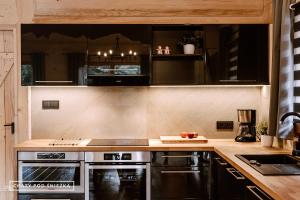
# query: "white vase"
[[266, 140], [188, 49]]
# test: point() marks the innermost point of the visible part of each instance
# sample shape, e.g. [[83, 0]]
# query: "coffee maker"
[[247, 123]]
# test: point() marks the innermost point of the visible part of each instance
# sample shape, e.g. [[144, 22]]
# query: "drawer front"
[[166, 158]]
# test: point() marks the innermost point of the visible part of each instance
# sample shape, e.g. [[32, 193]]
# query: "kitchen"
[[98, 95]]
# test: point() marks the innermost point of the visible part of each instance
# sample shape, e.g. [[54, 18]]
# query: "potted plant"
[[189, 41], [265, 138]]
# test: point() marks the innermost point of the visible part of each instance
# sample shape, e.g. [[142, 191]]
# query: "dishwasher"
[[180, 175]]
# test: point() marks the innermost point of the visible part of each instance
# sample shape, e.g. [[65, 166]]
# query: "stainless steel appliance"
[[117, 175], [247, 123], [61, 175], [118, 142], [180, 175]]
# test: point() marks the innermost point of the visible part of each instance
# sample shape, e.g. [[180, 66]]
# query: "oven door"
[[51, 174], [114, 182], [177, 183]]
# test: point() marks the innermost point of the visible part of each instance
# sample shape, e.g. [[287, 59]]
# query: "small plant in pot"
[[265, 138], [190, 42]]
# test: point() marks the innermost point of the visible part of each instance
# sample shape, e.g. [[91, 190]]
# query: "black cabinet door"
[[255, 193], [176, 183], [85, 54], [180, 175], [237, 54], [228, 183], [52, 54]]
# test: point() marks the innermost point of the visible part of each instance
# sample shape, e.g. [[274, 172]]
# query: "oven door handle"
[[117, 166], [22, 164]]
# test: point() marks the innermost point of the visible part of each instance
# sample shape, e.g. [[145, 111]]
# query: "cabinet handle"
[[237, 81], [236, 174], [50, 199], [183, 156], [220, 161], [12, 125], [258, 193], [53, 81], [181, 172]]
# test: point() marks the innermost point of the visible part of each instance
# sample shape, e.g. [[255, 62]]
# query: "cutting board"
[[180, 140]]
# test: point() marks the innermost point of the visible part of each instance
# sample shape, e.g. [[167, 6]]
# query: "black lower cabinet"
[[180, 175], [229, 184], [253, 192]]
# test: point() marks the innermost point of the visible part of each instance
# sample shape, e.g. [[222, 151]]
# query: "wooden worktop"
[[278, 187]]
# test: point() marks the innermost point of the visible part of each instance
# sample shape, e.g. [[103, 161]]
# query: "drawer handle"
[[183, 156], [258, 193], [181, 172], [53, 81], [50, 199], [236, 174], [220, 161]]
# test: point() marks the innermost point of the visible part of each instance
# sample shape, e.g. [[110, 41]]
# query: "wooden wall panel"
[[10, 116], [8, 109], [150, 8], [2, 144], [152, 11]]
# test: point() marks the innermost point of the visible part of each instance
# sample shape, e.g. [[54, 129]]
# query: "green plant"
[[262, 128], [191, 38]]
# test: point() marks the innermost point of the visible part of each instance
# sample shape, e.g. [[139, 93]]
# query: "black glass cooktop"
[[118, 142]]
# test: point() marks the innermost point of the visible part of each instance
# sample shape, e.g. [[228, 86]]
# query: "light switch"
[[50, 104]]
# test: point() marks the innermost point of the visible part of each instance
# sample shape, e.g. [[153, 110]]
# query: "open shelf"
[[177, 56]]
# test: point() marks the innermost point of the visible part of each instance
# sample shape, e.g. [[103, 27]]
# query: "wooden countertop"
[[278, 187]]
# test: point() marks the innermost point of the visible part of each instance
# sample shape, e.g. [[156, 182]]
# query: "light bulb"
[[130, 52], [122, 54], [99, 53], [134, 53], [105, 54], [110, 51]]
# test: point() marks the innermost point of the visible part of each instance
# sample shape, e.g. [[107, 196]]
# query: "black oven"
[[50, 175], [180, 175], [118, 175]]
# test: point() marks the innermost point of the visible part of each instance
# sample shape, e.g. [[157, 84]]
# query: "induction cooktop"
[[118, 142]]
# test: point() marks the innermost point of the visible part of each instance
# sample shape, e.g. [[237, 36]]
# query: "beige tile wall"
[[139, 112]]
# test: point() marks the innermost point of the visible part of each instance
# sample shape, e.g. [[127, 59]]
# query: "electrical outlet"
[[50, 104], [224, 125]]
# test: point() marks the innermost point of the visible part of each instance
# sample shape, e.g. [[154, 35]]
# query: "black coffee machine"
[[247, 123]]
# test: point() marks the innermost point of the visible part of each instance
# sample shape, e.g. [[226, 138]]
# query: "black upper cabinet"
[[85, 54], [237, 54], [100, 55]]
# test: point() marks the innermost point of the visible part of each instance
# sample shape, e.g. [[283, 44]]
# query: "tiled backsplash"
[[139, 112]]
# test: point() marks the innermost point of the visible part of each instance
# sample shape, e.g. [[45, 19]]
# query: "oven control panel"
[[50, 156], [117, 156]]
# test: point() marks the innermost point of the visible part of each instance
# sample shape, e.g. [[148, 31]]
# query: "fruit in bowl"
[[192, 135], [183, 134], [189, 135]]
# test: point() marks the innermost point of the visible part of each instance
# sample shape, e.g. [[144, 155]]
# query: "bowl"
[[183, 134], [189, 135]]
